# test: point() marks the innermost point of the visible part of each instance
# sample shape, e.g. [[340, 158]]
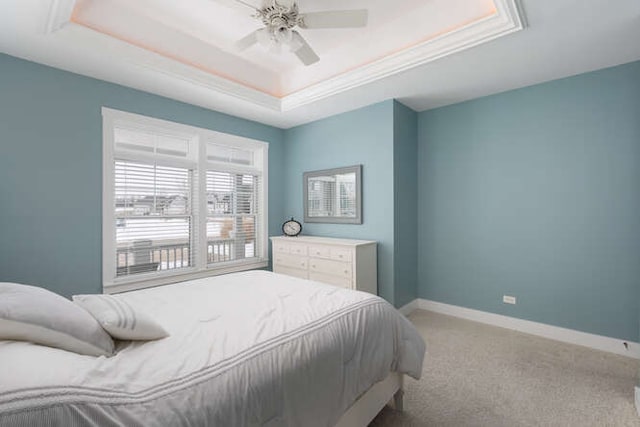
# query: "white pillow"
[[30, 313], [119, 319]]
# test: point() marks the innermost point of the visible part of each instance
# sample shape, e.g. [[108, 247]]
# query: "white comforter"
[[246, 349]]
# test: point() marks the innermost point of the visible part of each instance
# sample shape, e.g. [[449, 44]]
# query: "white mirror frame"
[[357, 219]]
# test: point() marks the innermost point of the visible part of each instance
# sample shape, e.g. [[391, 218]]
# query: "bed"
[[245, 349]]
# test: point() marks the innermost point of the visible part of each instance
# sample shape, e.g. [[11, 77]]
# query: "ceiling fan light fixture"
[[273, 39], [282, 35]]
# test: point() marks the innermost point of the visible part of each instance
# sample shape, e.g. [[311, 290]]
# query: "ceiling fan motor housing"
[[279, 18]]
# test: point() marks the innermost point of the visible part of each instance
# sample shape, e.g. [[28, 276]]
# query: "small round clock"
[[291, 228]]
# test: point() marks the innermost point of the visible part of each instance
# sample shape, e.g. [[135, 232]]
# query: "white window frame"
[[112, 284]]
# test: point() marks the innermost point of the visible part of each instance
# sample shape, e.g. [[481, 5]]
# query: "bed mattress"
[[245, 349]]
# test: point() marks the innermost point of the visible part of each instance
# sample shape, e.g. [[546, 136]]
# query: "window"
[[179, 202]]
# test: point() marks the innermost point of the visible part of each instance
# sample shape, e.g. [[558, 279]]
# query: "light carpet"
[[480, 375]]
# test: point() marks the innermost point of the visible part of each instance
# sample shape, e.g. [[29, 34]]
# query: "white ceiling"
[[472, 56]]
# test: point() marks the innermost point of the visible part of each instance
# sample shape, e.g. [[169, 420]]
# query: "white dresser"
[[342, 262]]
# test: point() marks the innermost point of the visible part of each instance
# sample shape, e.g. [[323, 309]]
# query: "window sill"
[[132, 285]]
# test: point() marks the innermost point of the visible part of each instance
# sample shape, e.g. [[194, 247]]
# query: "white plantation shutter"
[[179, 201], [155, 227], [231, 155], [232, 216], [153, 215], [148, 141]]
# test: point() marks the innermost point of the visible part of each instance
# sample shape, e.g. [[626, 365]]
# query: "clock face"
[[291, 227]]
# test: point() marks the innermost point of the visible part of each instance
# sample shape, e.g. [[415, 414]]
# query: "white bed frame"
[[364, 410]]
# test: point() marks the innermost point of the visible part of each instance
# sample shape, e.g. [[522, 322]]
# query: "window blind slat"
[[154, 222], [232, 209]]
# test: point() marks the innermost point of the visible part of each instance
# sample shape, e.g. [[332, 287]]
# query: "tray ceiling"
[[202, 34], [195, 40]]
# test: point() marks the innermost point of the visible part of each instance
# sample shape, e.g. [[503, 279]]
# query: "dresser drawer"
[[302, 274], [343, 282], [290, 248], [280, 248], [320, 251], [298, 249], [334, 268], [340, 254], [292, 261]]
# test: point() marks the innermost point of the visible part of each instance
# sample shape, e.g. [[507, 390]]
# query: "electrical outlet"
[[508, 300]]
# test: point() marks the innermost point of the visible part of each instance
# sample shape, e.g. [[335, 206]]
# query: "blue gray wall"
[[51, 169], [532, 193], [535, 193], [365, 137], [405, 203]]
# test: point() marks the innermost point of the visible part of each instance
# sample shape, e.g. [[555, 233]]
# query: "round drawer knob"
[[346, 271]]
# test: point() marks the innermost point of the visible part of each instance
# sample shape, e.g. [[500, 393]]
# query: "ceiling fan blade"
[[304, 52], [249, 40], [286, 3], [335, 19]]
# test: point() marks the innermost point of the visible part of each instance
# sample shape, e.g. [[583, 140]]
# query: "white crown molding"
[[59, 14], [200, 78], [505, 21], [570, 336]]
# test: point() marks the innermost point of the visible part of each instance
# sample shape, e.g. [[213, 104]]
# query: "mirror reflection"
[[333, 195]]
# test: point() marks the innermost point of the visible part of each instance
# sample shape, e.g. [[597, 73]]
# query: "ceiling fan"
[[281, 17]]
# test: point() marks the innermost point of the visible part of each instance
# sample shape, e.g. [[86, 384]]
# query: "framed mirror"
[[333, 195]]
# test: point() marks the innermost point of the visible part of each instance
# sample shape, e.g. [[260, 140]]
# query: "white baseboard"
[[597, 342], [407, 309], [637, 394]]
